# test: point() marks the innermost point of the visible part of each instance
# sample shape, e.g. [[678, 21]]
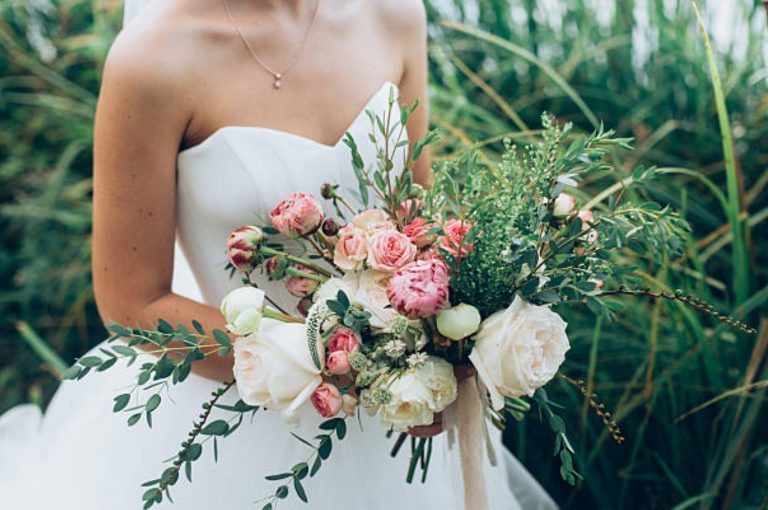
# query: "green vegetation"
[[688, 392]]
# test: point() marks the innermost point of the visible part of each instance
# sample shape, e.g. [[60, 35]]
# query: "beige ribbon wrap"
[[465, 422]]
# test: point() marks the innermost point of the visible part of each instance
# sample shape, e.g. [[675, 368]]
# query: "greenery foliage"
[[689, 393]]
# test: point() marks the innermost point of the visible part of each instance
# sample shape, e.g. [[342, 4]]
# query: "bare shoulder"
[[402, 17], [153, 56]]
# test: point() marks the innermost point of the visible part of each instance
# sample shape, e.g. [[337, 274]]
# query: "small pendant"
[[278, 81]]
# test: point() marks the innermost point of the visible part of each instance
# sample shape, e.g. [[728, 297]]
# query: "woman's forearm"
[[176, 310]]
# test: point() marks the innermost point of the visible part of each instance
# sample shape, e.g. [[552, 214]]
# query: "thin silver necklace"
[[278, 76]]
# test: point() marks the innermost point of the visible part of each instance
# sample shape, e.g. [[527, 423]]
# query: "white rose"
[[274, 368], [243, 309], [437, 374], [518, 350], [411, 405], [366, 289]]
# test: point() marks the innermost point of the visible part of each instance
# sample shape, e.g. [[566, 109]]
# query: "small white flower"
[[416, 360], [395, 348]]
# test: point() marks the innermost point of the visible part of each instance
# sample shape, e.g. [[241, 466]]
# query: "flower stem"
[[282, 317], [266, 250]]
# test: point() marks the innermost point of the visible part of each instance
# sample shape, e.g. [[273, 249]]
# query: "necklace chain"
[[277, 75]]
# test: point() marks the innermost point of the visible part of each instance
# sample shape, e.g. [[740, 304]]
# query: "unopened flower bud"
[[243, 246], [331, 227], [458, 322], [328, 191]]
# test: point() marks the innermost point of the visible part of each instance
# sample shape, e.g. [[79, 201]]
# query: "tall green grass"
[[688, 393]]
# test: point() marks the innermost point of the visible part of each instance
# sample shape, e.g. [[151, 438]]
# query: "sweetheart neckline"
[[210, 138]]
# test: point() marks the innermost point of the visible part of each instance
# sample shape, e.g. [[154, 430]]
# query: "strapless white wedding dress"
[[80, 455]]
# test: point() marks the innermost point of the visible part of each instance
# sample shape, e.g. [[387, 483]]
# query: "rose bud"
[[344, 340], [300, 286], [328, 191], [326, 399], [348, 404], [243, 246], [331, 227], [408, 209], [276, 267], [458, 322], [243, 309], [338, 363], [563, 205], [304, 305], [298, 215]]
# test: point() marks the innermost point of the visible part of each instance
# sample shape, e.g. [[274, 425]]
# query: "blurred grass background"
[[640, 66]]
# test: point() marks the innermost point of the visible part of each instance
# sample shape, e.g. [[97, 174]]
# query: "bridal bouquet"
[[410, 288]]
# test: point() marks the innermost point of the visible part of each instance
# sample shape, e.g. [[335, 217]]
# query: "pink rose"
[[343, 339], [563, 204], [338, 363], [300, 286], [298, 215], [351, 249], [373, 220], [420, 289], [243, 247], [455, 232], [389, 250], [326, 399], [418, 232], [348, 404]]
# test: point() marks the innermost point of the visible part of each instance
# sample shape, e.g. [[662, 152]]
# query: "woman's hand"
[[462, 372]]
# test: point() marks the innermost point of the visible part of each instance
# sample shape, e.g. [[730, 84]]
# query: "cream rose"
[[274, 369], [518, 350], [438, 376], [411, 405], [243, 309]]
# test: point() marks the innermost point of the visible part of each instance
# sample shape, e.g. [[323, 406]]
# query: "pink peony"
[[338, 363], [243, 247], [563, 204], [455, 231], [389, 250], [418, 232], [373, 220], [298, 215], [351, 249], [326, 399], [299, 286], [344, 339], [420, 289]]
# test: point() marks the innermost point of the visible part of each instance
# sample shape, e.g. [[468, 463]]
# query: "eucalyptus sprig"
[[192, 449], [563, 449], [320, 451], [170, 363]]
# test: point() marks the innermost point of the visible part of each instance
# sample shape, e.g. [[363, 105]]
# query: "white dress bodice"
[[237, 175]]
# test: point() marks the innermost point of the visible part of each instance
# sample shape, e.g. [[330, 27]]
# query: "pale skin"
[[180, 73]]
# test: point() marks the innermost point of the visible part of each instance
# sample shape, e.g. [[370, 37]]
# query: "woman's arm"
[[140, 120], [411, 29]]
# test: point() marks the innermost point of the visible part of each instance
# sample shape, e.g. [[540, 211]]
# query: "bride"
[[210, 112]]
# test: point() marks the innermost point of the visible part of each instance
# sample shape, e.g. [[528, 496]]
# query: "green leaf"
[[198, 327], [282, 492], [193, 452], [215, 428], [71, 373], [341, 429], [153, 403], [300, 470], [133, 419], [281, 476], [124, 350], [316, 466], [222, 338], [324, 451], [90, 361], [121, 401], [300, 490], [164, 326]]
